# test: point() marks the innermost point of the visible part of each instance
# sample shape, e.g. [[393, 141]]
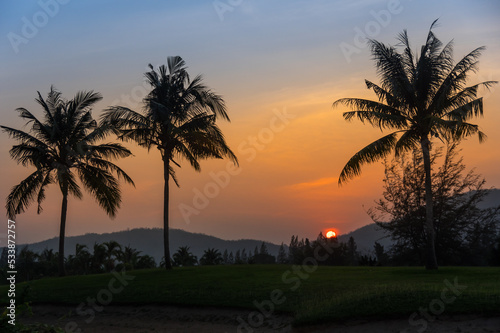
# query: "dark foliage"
[[465, 233]]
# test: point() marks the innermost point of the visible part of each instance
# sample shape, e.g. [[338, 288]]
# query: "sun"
[[331, 234]]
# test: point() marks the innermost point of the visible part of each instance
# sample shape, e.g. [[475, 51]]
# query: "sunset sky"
[[279, 66]]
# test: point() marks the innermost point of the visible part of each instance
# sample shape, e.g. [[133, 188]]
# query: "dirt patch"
[[154, 318]]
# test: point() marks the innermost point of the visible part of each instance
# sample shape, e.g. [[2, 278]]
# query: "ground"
[[154, 318]]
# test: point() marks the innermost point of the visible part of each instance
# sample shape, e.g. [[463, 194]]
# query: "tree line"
[[102, 258]]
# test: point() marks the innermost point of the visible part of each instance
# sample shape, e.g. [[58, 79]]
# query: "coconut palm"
[[420, 97], [129, 257], [211, 257], [98, 259], [113, 251], [62, 146], [48, 262], [145, 261], [179, 119], [184, 257], [81, 261], [26, 261]]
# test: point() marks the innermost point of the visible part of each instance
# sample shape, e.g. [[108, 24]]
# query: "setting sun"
[[331, 234]]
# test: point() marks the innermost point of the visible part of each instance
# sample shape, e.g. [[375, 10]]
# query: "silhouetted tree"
[[495, 253], [420, 97], [4, 257], [464, 232], [296, 251], [26, 262], [145, 261], [263, 249], [282, 256], [97, 263], [128, 257], [366, 260], [352, 252], [380, 254], [263, 258], [211, 257], [62, 147], [183, 257], [48, 263], [237, 258], [81, 262], [244, 257], [179, 119], [112, 253]]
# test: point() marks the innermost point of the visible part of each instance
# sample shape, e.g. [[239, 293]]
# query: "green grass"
[[327, 294]]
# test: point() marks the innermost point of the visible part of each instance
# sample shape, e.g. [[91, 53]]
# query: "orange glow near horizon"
[[331, 234]]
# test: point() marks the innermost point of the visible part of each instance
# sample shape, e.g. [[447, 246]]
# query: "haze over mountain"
[[150, 241]]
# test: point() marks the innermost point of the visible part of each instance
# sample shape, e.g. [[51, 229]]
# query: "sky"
[[279, 66]]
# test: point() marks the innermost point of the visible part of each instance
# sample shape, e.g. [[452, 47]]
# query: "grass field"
[[324, 295]]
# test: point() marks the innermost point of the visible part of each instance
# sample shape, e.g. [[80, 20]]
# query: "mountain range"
[[150, 241]]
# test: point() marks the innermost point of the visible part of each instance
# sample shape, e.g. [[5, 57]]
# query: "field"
[[311, 295]]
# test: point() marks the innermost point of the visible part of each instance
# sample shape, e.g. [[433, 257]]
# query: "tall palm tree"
[[62, 148], [179, 119], [420, 97]]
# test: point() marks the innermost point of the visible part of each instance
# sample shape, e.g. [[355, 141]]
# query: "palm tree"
[[129, 257], [113, 251], [211, 257], [420, 97], [81, 261], [62, 147], [98, 258], [183, 257], [145, 261], [179, 119], [26, 261], [48, 262]]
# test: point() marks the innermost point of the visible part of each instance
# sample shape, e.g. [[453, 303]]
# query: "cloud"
[[315, 183]]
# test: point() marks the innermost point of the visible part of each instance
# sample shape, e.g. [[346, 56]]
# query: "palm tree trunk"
[[62, 229], [166, 246], [431, 261]]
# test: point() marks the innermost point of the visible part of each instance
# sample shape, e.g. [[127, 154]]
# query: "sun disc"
[[331, 234]]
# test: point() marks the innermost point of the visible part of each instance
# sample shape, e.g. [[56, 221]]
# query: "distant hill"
[[366, 236], [492, 199], [150, 241]]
